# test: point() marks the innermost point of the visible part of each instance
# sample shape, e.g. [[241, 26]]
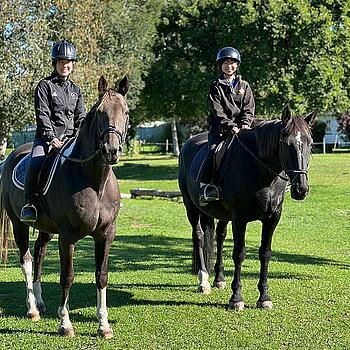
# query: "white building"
[[332, 135]]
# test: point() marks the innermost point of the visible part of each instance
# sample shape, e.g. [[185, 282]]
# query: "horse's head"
[[295, 149], [113, 119]]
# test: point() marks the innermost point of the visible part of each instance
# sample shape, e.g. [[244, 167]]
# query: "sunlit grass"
[[152, 299]]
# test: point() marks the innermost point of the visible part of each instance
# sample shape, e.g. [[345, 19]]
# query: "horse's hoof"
[[204, 290], [266, 305], [220, 285], [66, 332], [236, 306], [34, 316], [106, 333]]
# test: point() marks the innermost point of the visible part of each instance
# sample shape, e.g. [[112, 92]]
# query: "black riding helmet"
[[228, 52], [63, 50]]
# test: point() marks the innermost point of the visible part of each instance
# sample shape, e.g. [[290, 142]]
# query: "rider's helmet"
[[63, 50], [228, 52]]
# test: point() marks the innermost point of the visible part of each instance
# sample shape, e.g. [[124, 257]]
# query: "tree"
[[294, 52], [126, 48], [21, 55], [344, 123], [114, 38]]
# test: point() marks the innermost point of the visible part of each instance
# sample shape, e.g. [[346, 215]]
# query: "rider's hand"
[[235, 130], [56, 143]]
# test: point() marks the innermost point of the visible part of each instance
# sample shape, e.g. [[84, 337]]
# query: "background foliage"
[[295, 52]]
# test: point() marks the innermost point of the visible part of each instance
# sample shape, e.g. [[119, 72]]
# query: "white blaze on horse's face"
[[298, 139]]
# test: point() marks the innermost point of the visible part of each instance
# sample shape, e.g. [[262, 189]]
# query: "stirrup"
[[29, 214], [211, 193]]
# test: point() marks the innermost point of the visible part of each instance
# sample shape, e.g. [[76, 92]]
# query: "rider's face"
[[229, 66], [64, 67]]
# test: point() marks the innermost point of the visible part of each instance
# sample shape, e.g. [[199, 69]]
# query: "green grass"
[[151, 296]]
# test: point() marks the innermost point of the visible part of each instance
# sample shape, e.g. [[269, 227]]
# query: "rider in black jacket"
[[59, 110], [232, 108]]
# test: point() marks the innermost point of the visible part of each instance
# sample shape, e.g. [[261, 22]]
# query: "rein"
[[296, 172], [259, 160]]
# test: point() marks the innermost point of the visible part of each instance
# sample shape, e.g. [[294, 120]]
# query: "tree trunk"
[[176, 149]]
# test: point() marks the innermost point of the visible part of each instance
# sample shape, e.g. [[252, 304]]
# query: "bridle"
[[296, 172], [121, 135]]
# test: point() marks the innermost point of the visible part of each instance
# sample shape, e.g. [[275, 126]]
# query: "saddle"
[[48, 168], [220, 160]]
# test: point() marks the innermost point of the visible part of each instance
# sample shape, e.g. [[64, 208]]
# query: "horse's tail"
[[4, 226], [208, 227]]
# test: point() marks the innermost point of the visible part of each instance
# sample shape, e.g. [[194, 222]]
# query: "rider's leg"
[[208, 191], [39, 152]]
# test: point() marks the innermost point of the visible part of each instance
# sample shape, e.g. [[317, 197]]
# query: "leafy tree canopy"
[[294, 52], [114, 39]]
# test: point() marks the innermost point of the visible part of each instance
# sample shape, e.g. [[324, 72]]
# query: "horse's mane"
[[268, 133]]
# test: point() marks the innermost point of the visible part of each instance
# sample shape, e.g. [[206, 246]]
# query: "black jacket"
[[59, 108], [230, 105]]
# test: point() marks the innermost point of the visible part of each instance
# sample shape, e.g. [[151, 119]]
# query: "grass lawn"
[[152, 296]]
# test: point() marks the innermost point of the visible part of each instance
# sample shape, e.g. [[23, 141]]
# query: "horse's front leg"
[[67, 275], [102, 247], [268, 229], [40, 248], [238, 229], [221, 232]]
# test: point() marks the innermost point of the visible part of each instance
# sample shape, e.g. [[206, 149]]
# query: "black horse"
[[83, 199], [259, 163]]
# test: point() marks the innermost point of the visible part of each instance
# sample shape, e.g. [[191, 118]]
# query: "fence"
[[147, 147]]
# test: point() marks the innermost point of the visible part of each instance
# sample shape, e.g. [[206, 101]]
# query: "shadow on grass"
[[153, 252], [298, 259]]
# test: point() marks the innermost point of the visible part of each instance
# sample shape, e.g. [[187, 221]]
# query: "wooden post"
[[166, 146], [137, 192]]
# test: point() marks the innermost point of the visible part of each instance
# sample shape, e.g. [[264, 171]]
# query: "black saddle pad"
[[197, 161], [20, 171], [47, 170], [221, 160]]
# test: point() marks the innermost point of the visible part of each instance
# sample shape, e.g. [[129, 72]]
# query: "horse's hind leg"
[[40, 248], [21, 235], [221, 232], [202, 236], [102, 247], [268, 229]]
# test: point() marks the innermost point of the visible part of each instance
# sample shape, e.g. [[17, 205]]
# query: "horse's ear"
[[286, 114], [310, 118], [123, 86], [102, 86]]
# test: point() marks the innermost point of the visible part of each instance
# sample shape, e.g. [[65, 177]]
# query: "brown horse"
[[82, 200]]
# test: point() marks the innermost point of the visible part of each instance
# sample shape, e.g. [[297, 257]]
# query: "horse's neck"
[[95, 170], [264, 148]]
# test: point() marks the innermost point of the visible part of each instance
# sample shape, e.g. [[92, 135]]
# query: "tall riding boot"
[[208, 192], [29, 213]]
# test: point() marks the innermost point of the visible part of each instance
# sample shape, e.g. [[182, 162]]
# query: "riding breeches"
[[39, 152]]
